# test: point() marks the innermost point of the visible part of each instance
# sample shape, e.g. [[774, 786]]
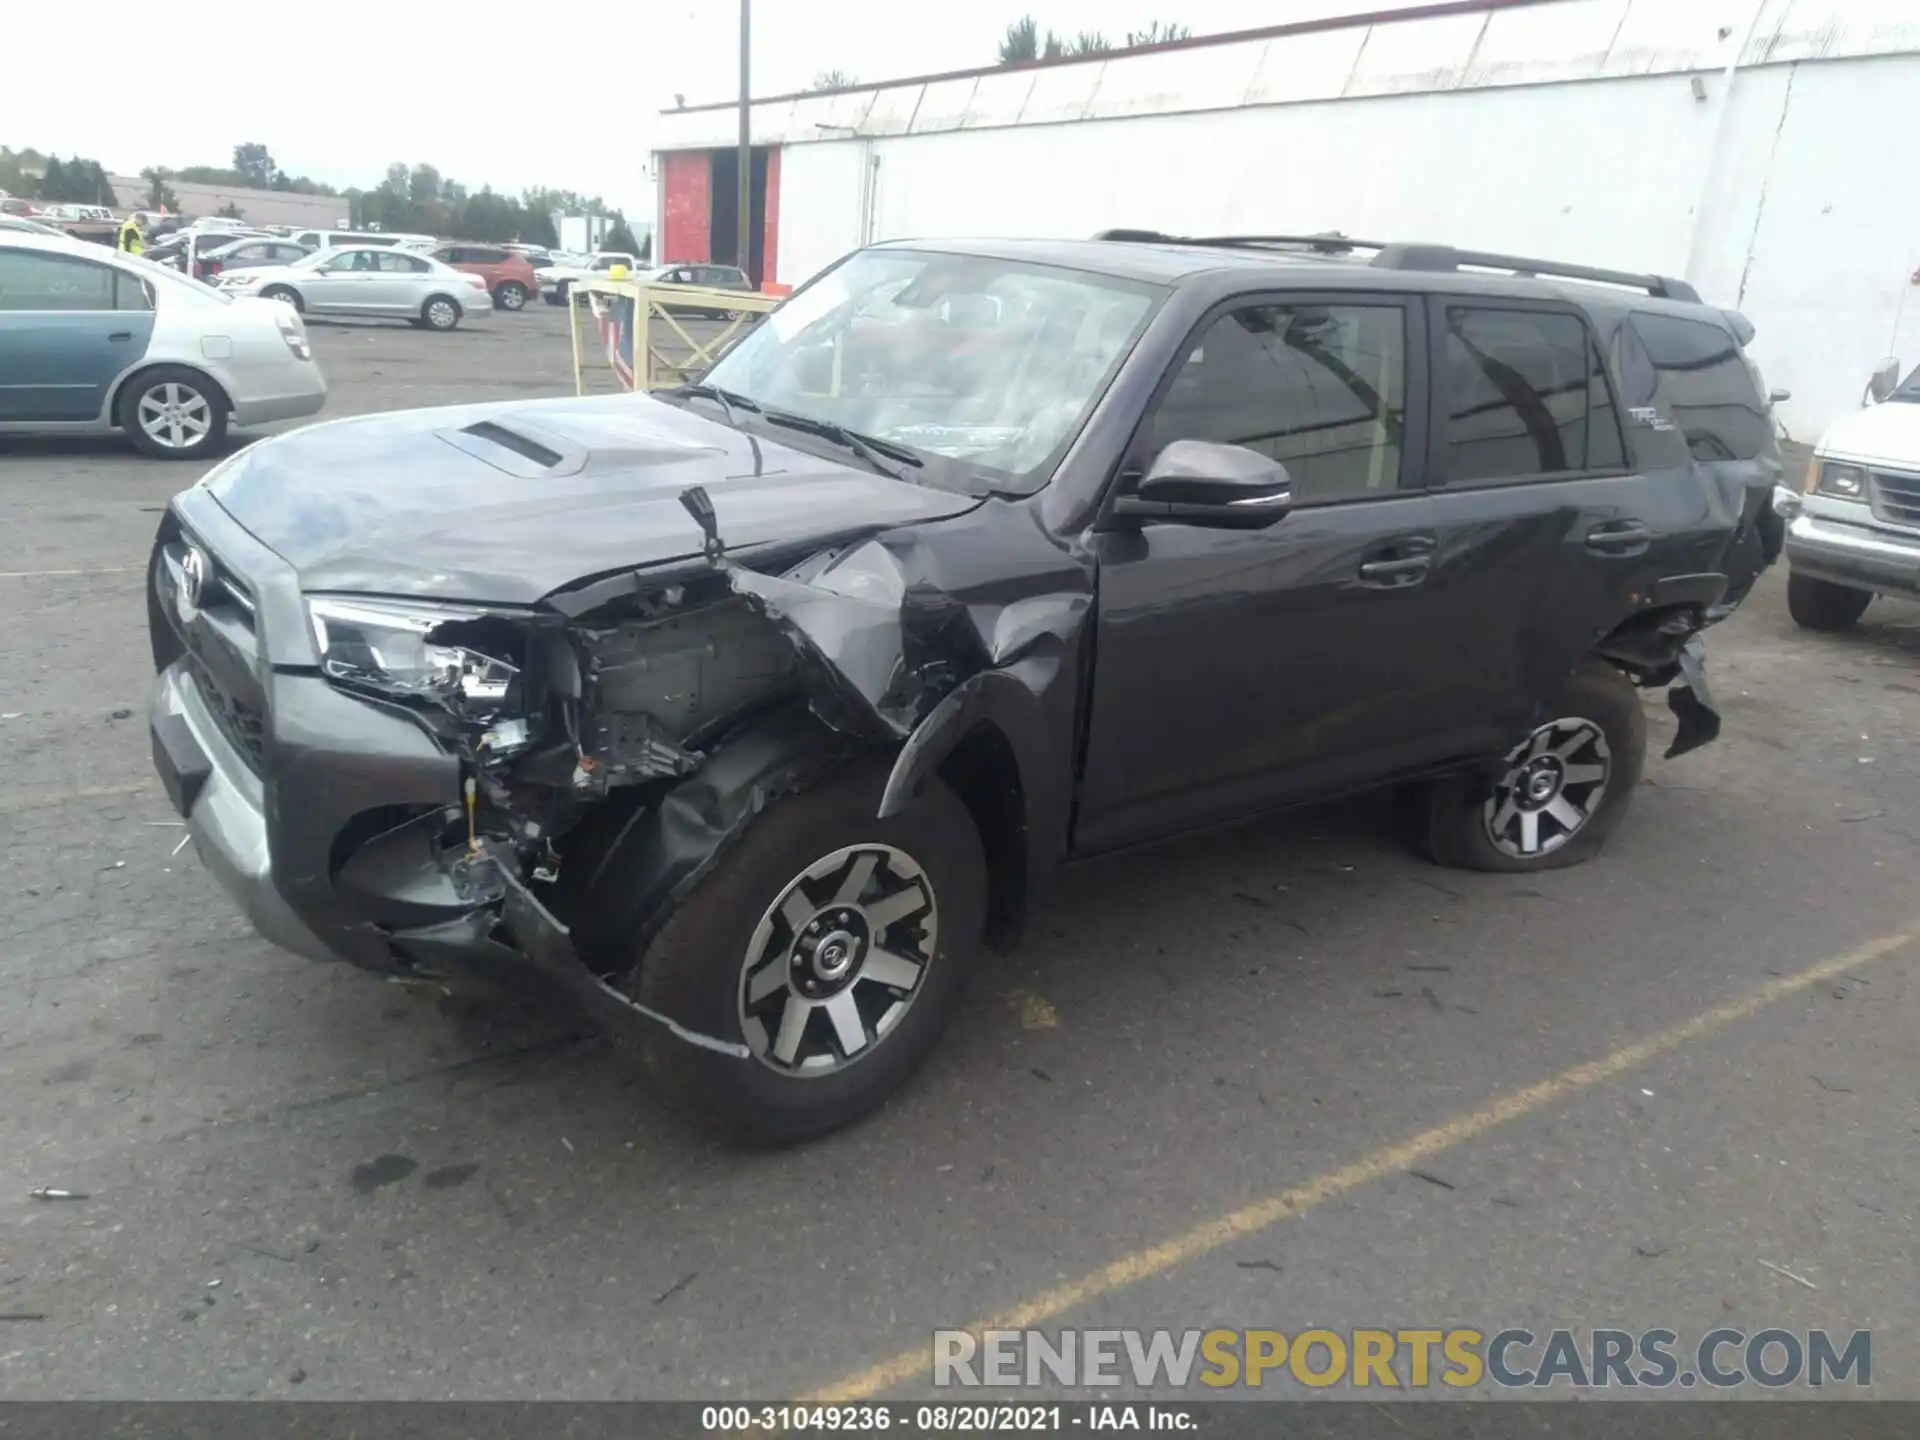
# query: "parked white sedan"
[[371, 280], [92, 340]]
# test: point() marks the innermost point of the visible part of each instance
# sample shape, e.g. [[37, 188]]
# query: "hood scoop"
[[523, 451]]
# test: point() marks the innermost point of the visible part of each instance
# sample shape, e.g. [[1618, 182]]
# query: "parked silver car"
[[370, 280]]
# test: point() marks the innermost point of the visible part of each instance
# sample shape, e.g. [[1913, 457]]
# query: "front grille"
[[243, 725], [1896, 497]]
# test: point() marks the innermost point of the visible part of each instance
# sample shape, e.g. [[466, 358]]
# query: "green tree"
[[53, 180], [1087, 42], [396, 181], [160, 195], [423, 185], [254, 165], [620, 237], [832, 80], [1021, 42], [1158, 33]]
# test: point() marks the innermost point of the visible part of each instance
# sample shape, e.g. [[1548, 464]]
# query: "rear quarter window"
[[1699, 378]]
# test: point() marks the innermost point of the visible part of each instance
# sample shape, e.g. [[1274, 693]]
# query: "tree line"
[[413, 198], [1024, 40]]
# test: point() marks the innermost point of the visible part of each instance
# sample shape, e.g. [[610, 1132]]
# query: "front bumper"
[[224, 806], [1865, 556]]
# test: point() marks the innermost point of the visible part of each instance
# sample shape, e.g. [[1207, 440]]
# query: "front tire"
[[173, 413], [511, 296], [285, 297], [1559, 793], [833, 945], [440, 313], [1823, 605]]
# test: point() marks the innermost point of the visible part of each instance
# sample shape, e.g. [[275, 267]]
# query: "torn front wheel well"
[[982, 771]]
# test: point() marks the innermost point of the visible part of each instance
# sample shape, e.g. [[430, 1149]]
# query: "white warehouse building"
[[1759, 148]]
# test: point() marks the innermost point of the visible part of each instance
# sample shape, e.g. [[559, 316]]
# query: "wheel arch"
[[988, 742], [147, 367]]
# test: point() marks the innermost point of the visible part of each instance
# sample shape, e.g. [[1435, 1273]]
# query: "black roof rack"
[[1445, 257], [1398, 256], [1327, 242]]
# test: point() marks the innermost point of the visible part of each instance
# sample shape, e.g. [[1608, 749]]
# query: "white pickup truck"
[[1855, 532]]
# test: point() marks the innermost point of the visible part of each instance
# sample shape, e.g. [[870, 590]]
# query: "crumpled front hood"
[[1885, 434], [506, 503]]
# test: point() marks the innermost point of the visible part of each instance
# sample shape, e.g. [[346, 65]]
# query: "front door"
[[341, 285], [1240, 670], [68, 327]]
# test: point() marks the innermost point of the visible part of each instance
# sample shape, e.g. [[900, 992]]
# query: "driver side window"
[[1320, 388]]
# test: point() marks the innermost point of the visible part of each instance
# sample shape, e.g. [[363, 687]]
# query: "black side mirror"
[[1885, 380], [1199, 482]]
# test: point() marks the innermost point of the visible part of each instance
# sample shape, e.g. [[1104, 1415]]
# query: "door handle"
[[1407, 570], [1625, 537], [119, 335]]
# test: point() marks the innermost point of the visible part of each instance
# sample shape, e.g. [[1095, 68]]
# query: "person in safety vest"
[[131, 239]]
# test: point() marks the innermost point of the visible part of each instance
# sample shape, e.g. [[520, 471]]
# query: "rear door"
[[1548, 535], [68, 328]]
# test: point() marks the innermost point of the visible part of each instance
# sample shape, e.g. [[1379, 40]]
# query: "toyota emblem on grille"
[[195, 570]]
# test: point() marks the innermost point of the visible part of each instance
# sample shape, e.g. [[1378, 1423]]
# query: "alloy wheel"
[[837, 960], [175, 416], [1553, 785], [440, 315]]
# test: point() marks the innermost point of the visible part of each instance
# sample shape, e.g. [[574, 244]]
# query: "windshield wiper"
[[867, 447], [725, 399]]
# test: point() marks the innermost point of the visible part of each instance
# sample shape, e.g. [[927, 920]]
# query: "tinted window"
[[309, 238], [395, 262], [1525, 396], [486, 257], [1320, 388], [29, 281], [453, 254], [1704, 383]]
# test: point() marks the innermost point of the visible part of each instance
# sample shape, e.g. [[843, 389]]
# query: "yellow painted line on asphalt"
[[1211, 1235], [68, 574]]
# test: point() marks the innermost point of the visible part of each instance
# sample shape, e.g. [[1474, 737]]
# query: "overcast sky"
[[488, 91]]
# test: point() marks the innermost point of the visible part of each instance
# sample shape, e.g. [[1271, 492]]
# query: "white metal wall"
[[1811, 225], [1585, 130]]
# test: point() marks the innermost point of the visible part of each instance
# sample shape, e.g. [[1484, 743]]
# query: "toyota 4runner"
[[744, 713]]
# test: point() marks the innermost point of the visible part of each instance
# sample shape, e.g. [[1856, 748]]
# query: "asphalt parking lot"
[[1283, 1076]]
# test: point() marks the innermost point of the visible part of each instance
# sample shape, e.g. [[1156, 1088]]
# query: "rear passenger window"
[[1703, 382], [1525, 396], [1320, 388]]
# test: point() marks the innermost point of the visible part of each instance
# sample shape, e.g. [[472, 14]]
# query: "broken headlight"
[[390, 648]]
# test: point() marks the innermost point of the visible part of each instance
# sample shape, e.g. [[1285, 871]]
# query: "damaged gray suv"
[[743, 714]]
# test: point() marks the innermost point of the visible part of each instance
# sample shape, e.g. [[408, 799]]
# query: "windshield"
[[986, 367], [1909, 388]]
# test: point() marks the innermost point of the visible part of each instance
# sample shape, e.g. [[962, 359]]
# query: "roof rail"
[[1327, 242], [1445, 257]]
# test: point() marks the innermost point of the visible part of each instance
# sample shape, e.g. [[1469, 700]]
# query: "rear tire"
[[285, 297], [1823, 605], [440, 313], [172, 413], [733, 940], [511, 296], [1560, 792]]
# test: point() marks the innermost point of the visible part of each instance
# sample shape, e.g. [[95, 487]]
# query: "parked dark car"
[[744, 713]]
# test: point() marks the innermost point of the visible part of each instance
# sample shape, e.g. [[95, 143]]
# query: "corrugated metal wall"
[[1567, 129]]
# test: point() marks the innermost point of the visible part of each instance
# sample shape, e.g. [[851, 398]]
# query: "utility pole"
[[744, 241]]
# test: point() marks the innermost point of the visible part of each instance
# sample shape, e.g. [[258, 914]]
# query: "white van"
[[328, 239]]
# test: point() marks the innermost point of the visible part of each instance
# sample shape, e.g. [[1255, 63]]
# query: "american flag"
[[614, 313]]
